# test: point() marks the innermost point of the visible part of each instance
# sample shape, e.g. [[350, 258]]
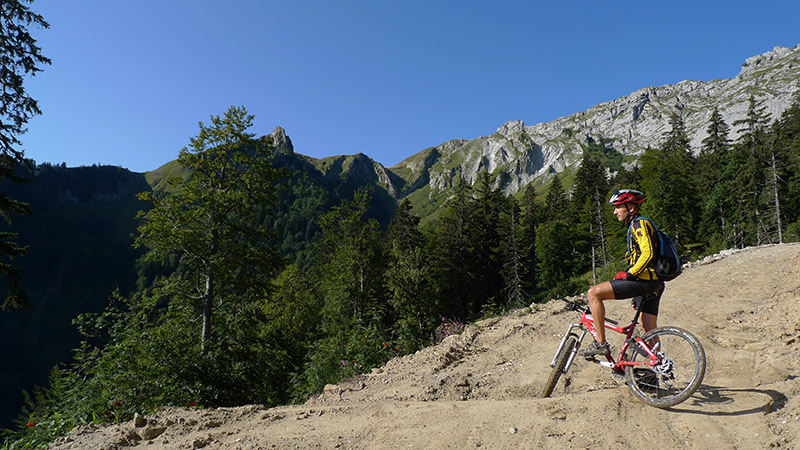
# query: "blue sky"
[[130, 80]]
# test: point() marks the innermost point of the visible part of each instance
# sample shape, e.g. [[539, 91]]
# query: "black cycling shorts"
[[649, 290]]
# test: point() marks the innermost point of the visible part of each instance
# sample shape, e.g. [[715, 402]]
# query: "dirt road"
[[480, 389]]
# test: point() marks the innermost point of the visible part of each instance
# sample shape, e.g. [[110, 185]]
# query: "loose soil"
[[480, 389]]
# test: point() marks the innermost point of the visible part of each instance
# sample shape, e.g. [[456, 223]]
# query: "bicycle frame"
[[586, 325]]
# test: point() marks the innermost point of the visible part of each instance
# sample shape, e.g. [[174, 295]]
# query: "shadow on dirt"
[[725, 401]]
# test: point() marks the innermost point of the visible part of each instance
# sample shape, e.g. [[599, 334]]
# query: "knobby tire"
[[561, 362], [661, 386]]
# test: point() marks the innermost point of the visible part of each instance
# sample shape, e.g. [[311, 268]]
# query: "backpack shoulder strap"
[[655, 228], [651, 222]]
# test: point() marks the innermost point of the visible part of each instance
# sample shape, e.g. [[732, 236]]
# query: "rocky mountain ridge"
[[519, 154], [523, 154]]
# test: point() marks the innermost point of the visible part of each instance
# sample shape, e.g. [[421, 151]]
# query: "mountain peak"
[[283, 145], [511, 128], [759, 62]]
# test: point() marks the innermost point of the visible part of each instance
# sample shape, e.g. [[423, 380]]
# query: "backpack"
[[667, 263]]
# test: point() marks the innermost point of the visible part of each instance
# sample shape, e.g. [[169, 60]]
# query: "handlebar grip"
[[570, 304]]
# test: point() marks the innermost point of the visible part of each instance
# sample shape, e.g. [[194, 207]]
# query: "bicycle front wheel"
[[561, 362], [681, 367]]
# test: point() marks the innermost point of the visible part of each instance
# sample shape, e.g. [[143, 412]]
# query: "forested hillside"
[[358, 293], [80, 238]]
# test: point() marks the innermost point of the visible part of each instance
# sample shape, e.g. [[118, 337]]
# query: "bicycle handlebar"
[[585, 309], [572, 305]]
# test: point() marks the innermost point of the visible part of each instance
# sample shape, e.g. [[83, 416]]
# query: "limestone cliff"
[[520, 154]]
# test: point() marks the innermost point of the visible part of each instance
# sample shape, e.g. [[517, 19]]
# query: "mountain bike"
[[662, 368]]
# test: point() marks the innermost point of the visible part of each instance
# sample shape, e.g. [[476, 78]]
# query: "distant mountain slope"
[[80, 249], [519, 154], [312, 187]]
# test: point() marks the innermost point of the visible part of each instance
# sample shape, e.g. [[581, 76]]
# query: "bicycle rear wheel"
[[678, 374], [561, 362]]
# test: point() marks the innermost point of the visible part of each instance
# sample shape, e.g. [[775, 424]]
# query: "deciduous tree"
[[213, 221]]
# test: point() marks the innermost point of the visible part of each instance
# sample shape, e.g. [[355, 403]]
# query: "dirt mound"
[[481, 388]]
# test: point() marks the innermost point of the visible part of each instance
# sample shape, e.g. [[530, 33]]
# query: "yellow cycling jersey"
[[641, 249]]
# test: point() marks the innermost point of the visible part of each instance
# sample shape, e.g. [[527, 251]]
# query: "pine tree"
[[667, 182], [514, 268], [408, 280], [774, 180], [556, 202], [557, 257], [712, 183], [713, 152], [558, 248], [469, 245], [749, 176], [589, 190], [21, 57], [491, 224], [454, 256], [752, 127], [787, 146], [590, 182], [627, 178]]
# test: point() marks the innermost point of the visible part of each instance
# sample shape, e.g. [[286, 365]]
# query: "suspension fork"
[[574, 352]]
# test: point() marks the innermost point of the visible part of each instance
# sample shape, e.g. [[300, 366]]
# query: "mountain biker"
[[638, 281]]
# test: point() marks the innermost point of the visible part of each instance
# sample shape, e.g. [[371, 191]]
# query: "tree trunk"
[[777, 198], [208, 299], [208, 296], [602, 231]]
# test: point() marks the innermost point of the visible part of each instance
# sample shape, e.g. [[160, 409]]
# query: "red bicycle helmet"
[[623, 196]]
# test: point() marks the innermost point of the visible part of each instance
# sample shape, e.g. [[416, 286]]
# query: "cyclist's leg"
[[597, 294], [648, 321], [617, 289], [649, 304]]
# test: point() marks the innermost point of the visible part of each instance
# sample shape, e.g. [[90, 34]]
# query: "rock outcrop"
[[520, 154]]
